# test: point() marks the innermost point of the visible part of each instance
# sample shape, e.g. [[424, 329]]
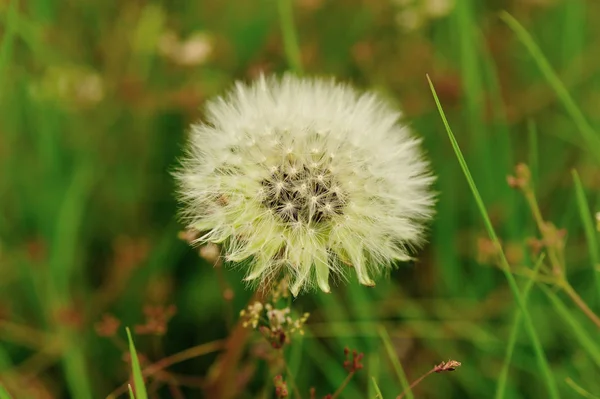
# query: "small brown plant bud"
[[354, 364], [281, 389], [108, 326], [450, 365], [522, 177]]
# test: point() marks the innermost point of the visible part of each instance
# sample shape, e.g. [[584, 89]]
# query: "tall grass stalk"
[[539, 352]]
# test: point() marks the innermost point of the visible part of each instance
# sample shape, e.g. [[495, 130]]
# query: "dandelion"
[[301, 178]]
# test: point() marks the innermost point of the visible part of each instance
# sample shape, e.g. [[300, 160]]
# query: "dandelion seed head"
[[306, 178]]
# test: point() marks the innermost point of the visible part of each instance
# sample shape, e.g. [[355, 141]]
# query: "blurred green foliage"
[[96, 99]]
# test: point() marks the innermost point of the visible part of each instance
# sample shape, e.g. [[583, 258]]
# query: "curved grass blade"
[[580, 390], [540, 355]]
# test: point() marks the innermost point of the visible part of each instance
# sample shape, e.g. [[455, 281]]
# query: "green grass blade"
[[586, 130], [288, 30], [138, 378], [131, 395], [588, 343], [377, 390], [580, 390], [4, 393], [8, 40], [514, 333], [588, 224], [387, 342], [541, 357]]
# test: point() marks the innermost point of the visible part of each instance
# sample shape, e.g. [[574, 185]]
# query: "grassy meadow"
[[96, 98]]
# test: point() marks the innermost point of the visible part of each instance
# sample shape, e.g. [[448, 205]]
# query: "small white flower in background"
[[195, 50], [413, 15], [303, 178], [598, 221], [70, 85]]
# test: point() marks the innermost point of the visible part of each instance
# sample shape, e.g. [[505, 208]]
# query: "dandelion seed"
[[331, 180]]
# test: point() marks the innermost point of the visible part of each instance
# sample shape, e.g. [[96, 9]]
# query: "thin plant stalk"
[[340, 389]]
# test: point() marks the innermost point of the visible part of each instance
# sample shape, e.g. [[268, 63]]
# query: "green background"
[[94, 114]]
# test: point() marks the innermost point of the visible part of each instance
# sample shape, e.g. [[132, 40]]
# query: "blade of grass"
[[472, 82], [288, 31], [138, 379], [588, 224], [373, 362], [514, 333], [4, 393], [377, 390], [586, 130], [387, 342], [131, 395], [580, 390], [540, 356], [587, 342]]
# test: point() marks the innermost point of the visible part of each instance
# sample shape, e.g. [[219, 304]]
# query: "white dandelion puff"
[[306, 178]]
